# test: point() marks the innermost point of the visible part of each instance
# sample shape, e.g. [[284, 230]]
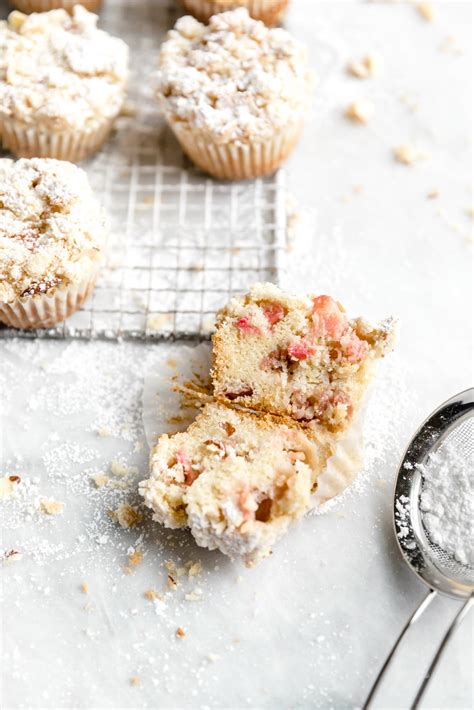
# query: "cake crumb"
[[194, 569], [364, 68], [85, 588], [10, 556], [51, 507], [405, 154], [104, 431], [7, 486], [100, 479], [151, 595], [172, 583], [134, 680], [180, 632], [156, 322], [170, 565], [433, 195], [127, 516], [134, 559], [426, 10], [118, 468], [360, 111]]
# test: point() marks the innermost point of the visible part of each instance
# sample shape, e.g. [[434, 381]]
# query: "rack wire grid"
[[181, 243]]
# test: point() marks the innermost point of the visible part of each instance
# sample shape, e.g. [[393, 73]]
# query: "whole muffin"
[[28, 6], [52, 234], [269, 11], [62, 84], [234, 92]]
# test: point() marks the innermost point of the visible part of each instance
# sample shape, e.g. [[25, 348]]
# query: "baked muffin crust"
[[52, 228], [59, 72]]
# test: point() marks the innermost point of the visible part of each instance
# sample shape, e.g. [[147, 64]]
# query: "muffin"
[[296, 357], [234, 92], [268, 11], [62, 84], [52, 234], [28, 6], [236, 480]]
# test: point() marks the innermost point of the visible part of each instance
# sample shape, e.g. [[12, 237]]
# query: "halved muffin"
[[296, 357], [235, 479]]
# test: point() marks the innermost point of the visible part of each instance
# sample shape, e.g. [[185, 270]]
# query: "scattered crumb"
[[127, 515], [365, 67], [170, 565], [470, 212], [8, 485], [148, 200], [172, 583], [426, 10], [151, 595], [104, 431], [405, 154], [172, 362], [157, 322], [134, 680], [180, 632], [134, 559], [85, 588], [360, 111], [51, 507], [118, 468], [194, 569], [10, 556], [433, 195], [100, 479], [194, 596]]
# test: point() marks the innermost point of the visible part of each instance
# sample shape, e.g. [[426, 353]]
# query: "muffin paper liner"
[[29, 142], [237, 161], [269, 11], [45, 310], [28, 6]]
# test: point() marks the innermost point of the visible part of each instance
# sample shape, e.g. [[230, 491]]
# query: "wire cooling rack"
[[181, 243]]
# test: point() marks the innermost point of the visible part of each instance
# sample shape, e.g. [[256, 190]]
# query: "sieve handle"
[[454, 625], [412, 620]]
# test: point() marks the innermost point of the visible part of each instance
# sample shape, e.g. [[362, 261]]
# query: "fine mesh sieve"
[[452, 424]]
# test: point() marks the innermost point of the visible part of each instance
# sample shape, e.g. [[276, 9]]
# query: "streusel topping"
[[234, 78], [59, 70], [51, 226]]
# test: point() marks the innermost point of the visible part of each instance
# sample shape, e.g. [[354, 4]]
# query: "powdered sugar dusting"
[[60, 71], [52, 229], [447, 501], [233, 78]]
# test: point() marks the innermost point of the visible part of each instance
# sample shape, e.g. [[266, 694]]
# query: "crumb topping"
[[60, 71], [51, 227], [233, 78]]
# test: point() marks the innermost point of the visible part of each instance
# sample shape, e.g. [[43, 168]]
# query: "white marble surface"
[[310, 626]]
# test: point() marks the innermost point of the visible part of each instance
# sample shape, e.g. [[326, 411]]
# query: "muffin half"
[[237, 480], [52, 234], [62, 84], [296, 357], [234, 92]]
